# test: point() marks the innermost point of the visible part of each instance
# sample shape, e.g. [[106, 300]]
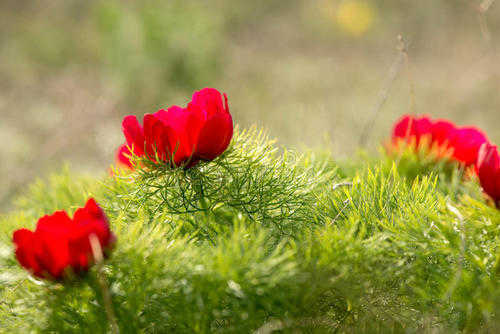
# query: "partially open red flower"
[[60, 243], [181, 136], [443, 137], [488, 170], [466, 143]]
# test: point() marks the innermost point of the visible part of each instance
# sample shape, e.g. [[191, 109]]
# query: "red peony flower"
[[445, 139], [488, 170], [412, 130], [181, 136], [466, 143], [60, 243]]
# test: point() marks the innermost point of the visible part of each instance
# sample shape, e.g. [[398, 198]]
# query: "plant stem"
[[101, 279]]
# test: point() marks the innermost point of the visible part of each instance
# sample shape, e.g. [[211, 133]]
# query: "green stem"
[[101, 279]]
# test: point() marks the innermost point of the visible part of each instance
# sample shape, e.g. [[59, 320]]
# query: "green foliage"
[[253, 178], [262, 238]]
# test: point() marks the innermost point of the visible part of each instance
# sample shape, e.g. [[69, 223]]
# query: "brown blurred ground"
[[70, 70]]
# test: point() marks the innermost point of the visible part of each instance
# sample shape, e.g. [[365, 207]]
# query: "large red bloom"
[[181, 136], [60, 243], [488, 170]]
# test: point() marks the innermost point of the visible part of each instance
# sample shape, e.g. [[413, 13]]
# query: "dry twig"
[[384, 92]]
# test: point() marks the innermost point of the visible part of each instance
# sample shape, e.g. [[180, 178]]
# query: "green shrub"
[[266, 239]]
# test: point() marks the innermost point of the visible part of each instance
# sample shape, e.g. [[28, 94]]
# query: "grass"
[[263, 238]]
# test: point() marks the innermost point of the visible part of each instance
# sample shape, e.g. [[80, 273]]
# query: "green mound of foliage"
[[262, 239]]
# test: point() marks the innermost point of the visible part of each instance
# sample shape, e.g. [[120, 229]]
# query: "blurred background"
[[312, 72]]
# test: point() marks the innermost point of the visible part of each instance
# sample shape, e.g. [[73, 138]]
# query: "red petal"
[[404, 128], [91, 219], [157, 138], [488, 169], [410, 128], [184, 125], [51, 239], [423, 128], [58, 223], [25, 254], [134, 134], [216, 133], [215, 136], [441, 130], [209, 100], [466, 143], [53, 253], [94, 209], [423, 125], [123, 156]]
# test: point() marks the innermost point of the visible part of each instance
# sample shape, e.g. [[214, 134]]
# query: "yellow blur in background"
[[355, 17]]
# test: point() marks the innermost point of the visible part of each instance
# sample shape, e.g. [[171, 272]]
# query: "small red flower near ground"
[[181, 136], [441, 136], [488, 170], [60, 243]]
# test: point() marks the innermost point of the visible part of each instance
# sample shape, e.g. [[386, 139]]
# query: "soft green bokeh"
[[72, 69]]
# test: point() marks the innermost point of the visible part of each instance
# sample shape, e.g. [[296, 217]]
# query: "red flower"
[[466, 143], [60, 243], [444, 137], [488, 170], [412, 130], [182, 136]]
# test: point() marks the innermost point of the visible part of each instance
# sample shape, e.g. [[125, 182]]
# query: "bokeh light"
[[355, 17]]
